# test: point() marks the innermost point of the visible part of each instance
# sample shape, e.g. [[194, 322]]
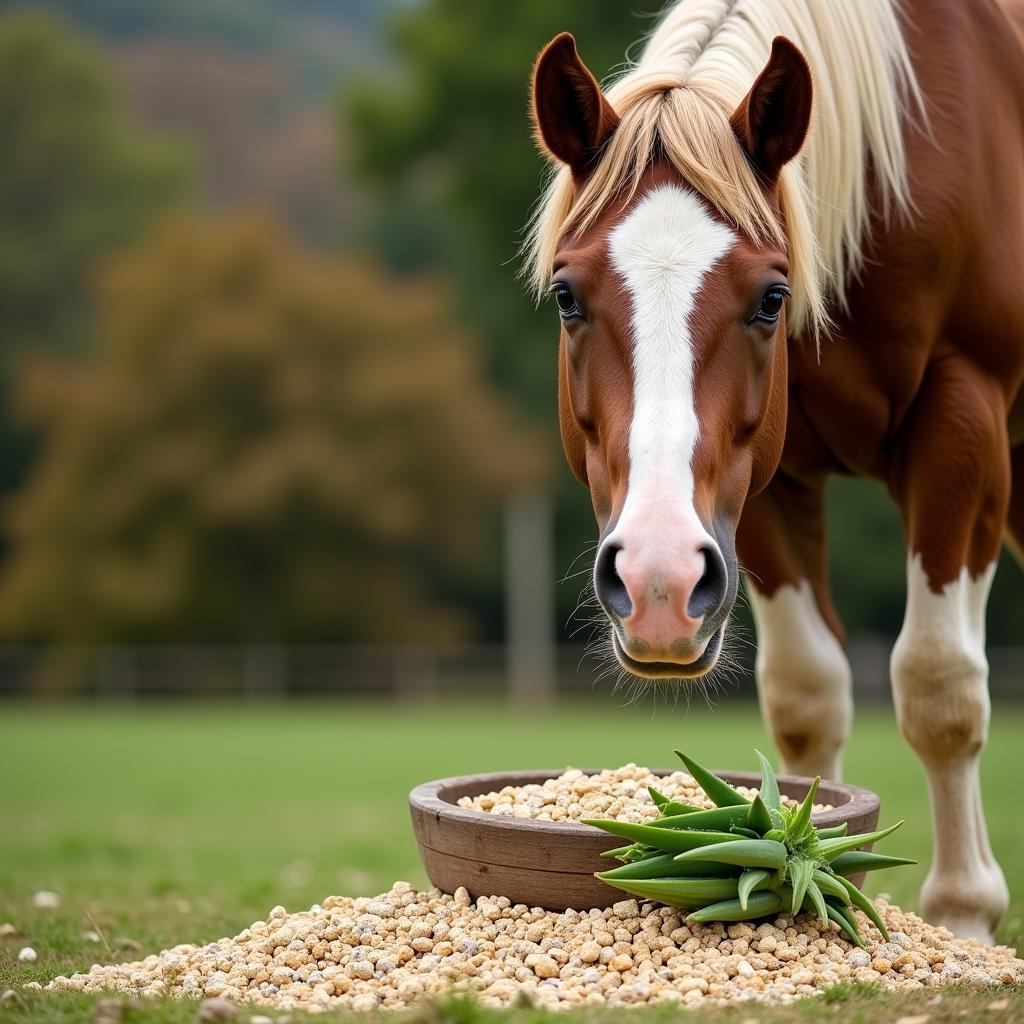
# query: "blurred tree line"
[[234, 438], [210, 431], [77, 180], [268, 446]]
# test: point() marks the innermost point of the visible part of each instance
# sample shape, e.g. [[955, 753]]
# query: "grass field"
[[167, 824]]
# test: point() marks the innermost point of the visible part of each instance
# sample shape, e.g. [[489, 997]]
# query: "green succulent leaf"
[[747, 833], [863, 903], [769, 791], [619, 851], [817, 901], [760, 904], [691, 893], [834, 832], [755, 878], [832, 848], [668, 840], [831, 886], [846, 923], [667, 806], [718, 790], [758, 817], [718, 819], [856, 861], [799, 873], [638, 852], [665, 866], [744, 853], [800, 820]]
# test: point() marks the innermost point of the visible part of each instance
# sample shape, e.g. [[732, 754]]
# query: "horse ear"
[[771, 121], [570, 114]]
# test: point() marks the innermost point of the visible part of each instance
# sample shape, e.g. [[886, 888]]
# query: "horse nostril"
[[711, 588], [611, 591]]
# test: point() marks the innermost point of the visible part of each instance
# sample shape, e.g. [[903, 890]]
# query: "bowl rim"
[[426, 798]]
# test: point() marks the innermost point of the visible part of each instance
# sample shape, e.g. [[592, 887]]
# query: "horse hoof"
[[969, 908], [966, 928]]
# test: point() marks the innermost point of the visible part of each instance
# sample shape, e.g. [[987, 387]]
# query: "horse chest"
[[841, 412]]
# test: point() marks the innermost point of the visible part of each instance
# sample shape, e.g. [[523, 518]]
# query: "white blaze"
[[663, 250], [803, 679]]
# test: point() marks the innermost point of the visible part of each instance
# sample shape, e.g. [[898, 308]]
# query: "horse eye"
[[568, 308], [771, 304]]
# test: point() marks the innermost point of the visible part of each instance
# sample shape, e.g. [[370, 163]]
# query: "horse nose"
[[662, 600], [611, 590], [710, 592]]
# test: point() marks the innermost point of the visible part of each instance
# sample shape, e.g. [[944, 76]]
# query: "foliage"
[[78, 178], [269, 446], [305, 29], [219, 99], [450, 150], [746, 859]]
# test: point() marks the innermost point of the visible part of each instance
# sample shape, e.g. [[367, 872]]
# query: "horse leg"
[[803, 677], [952, 481]]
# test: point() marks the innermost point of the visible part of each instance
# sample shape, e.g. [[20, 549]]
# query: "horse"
[[788, 242]]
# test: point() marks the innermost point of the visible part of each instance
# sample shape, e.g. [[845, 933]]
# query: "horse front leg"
[[803, 676], [952, 481]]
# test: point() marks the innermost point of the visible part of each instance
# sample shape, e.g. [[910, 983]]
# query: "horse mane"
[[676, 101]]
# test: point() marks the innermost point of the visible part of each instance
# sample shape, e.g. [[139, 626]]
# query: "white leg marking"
[[803, 680], [663, 250], [940, 687]]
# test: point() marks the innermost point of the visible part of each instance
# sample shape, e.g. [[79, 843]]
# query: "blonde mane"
[[695, 69]]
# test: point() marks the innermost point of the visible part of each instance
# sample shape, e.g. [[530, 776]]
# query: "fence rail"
[[407, 673]]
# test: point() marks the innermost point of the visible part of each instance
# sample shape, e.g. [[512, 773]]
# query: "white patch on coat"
[[940, 687], [663, 250], [803, 680]]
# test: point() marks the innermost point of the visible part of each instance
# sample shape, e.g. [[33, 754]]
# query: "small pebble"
[[27, 955], [7, 930], [109, 1011], [45, 900], [211, 1010], [542, 966]]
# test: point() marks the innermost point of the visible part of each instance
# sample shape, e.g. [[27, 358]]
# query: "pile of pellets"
[[619, 793], [391, 951]]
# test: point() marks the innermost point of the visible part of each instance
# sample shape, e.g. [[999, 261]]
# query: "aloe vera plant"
[[744, 859]]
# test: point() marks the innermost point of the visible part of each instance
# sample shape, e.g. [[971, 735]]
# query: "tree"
[[269, 446], [450, 151], [77, 179]]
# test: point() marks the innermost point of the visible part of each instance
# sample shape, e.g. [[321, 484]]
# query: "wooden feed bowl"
[[551, 864]]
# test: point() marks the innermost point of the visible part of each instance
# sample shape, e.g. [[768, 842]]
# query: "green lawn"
[[176, 823]]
